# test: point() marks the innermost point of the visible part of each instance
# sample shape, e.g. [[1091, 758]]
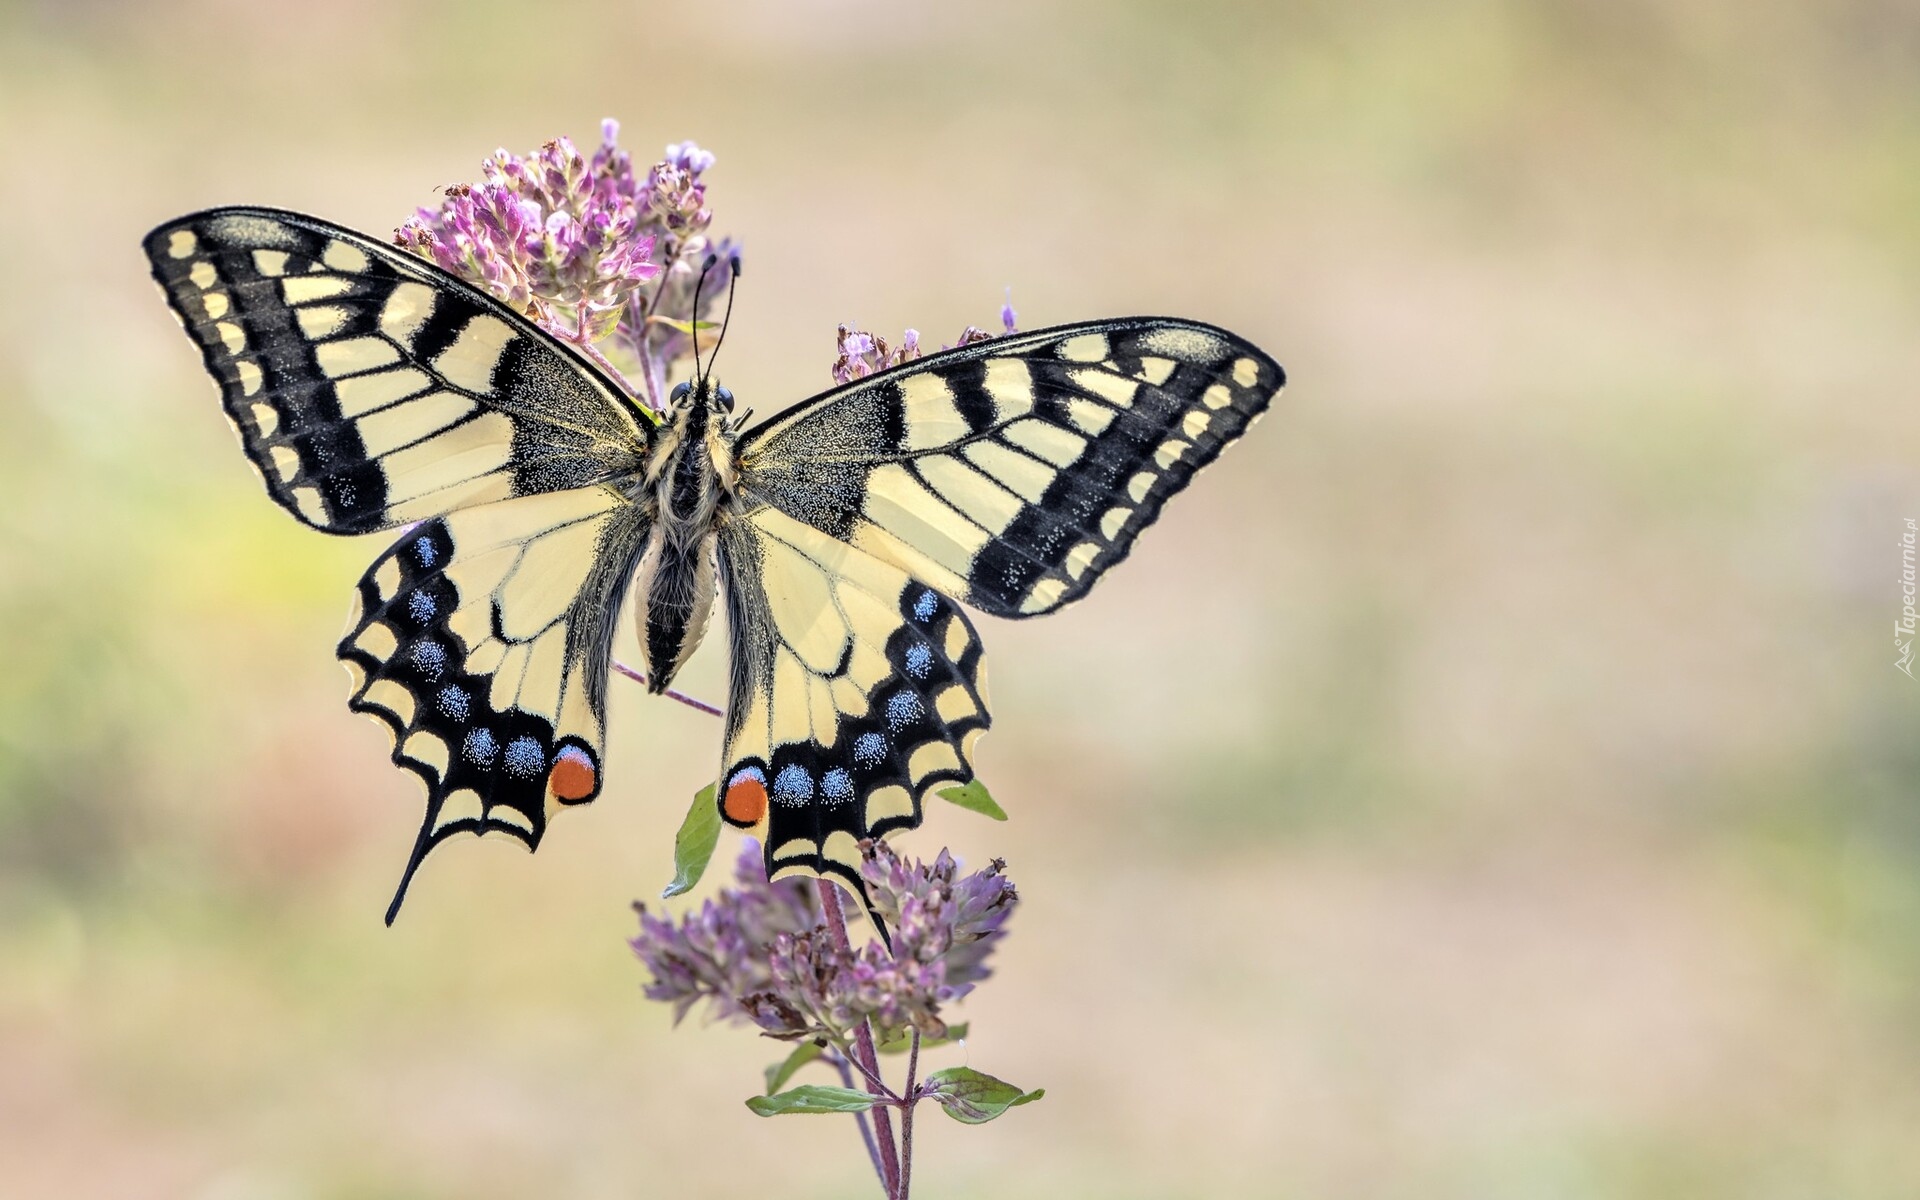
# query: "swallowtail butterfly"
[[374, 391]]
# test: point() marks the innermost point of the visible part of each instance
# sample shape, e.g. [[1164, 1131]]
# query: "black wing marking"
[[372, 389], [481, 641], [1014, 472], [857, 691]]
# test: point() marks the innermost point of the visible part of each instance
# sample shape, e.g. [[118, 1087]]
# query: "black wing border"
[[996, 347], [435, 275]]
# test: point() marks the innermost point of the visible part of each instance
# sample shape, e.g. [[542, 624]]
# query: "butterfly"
[[374, 391]]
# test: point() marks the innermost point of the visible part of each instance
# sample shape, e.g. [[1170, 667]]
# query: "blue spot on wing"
[[919, 660], [837, 786], [480, 746], [429, 658], [454, 703], [525, 758], [903, 709], [793, 785]]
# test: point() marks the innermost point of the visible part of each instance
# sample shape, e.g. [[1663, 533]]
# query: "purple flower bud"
[[860, 353], [689, 157]]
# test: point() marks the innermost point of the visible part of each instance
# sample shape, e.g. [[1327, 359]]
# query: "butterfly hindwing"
[[857, 691], [1013, 472], [373, 389], [481, 639]]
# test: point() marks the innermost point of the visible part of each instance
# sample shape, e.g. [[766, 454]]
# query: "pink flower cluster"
[[587, 247], [596, 252]]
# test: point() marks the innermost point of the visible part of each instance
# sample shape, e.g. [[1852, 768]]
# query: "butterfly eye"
[[726, 398], [680, 391]]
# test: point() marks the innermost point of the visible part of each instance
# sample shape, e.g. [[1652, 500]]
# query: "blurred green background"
[[1490, 781]]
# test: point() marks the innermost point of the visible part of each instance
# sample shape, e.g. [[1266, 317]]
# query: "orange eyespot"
[[573, 777], [746, 800]]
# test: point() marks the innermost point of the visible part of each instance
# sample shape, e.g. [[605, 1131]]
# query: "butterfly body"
[[534, 496], [687, 489]]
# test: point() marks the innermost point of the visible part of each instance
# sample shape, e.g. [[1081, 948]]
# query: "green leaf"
[[974, 1098], [813, 1098], [783, 1070], [601, 322], [682, 326], [693, 845], [904, 1042], [974, 796]]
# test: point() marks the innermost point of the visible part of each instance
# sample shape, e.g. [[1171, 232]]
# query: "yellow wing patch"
[[481, 641], [372, 389], [1013, 473], [857, 691]]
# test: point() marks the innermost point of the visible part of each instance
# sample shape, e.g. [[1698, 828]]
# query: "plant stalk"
[[670, 693], [860, 1118], [906, 1114], [863, 1048]]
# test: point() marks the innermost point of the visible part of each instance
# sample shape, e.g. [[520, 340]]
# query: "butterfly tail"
[[421, 845], [879, 926]]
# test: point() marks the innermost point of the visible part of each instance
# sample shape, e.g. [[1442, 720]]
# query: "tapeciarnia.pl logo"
[[1903, 628]]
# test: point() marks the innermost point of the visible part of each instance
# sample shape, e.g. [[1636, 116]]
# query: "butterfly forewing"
[[481, 641], [857, 691], [372, 389], [1014, 472]]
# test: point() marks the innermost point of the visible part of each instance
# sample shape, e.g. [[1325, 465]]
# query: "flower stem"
[[860, 1118], [653, 373], [906, 1114], [586, 346], [670, 693], [874, 1083], [863, 1047], [654, 376]]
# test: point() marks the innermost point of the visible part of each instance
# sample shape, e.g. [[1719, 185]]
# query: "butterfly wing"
[[481, 640], [372, 389], [856, 691], [1013, 473]]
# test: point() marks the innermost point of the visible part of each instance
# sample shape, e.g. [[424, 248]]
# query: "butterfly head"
[[714, 401]]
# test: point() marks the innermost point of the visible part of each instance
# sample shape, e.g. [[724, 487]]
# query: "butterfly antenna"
[[693, 318], [733, 279]]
